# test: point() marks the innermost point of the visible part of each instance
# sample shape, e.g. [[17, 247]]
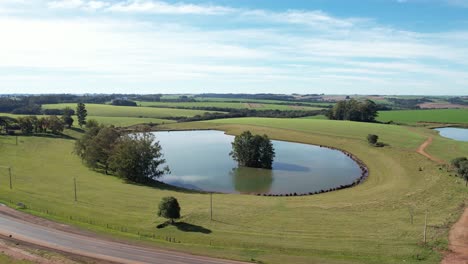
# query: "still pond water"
[[460, 134], [200, 160]]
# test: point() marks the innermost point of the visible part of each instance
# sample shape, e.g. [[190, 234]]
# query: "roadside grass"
[[4, 259], [430, 115], [232, 105], [129, 111], [369, 223]]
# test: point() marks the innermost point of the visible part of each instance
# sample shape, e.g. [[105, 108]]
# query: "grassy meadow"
[[431, 115], [369, 223]]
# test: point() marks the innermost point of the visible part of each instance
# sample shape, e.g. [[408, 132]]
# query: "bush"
[[372, 139], [169, 208]]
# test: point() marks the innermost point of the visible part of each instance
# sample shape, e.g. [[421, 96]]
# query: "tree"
[[26, 125], [137, 158], [81, 114], [253, 151], [6, 122], [372, 139], [353, 110], [461, 166], [55, 124], [169, 208], [67, 116]]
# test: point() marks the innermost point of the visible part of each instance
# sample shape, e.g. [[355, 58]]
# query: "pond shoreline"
[[362, 166]]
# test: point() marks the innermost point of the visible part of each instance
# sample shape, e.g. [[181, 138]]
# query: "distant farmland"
[[432, 115]]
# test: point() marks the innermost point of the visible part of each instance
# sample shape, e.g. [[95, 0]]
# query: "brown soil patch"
[[458, 242], [422, 150]]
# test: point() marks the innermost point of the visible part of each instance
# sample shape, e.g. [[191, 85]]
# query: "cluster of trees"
[[123, 102], [354, 110], [33, 124], [253, 150], [234, 113], [412, 103], [461, 166], [133, 157], [458, 100], [54, 124]]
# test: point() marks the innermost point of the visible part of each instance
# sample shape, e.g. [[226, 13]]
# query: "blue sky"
[[243, 46]]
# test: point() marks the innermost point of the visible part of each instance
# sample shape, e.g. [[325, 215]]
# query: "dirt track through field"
[[458, 236], [458, 242], [422, 150]]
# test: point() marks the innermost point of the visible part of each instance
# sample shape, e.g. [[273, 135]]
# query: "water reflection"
[[252, 180]]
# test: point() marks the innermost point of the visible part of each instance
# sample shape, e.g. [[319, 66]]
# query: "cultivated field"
[[432, 115], [369, 223]]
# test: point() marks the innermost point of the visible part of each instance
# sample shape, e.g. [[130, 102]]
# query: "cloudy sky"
[[248, 46]]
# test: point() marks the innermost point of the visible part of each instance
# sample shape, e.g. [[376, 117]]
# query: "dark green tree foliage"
[[353, 110], [461, 166], [26, 124], [138, 158], [6, 122], [81, 114], [55, 124], [67, 117], [372, 139], [253, 151], [96, 147], [169, 208]]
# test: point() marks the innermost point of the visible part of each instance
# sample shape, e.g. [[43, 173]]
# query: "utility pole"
[[74, 183], [211, 206], [9, 172], [425, 227]]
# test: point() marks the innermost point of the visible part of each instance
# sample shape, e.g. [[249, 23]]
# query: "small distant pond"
[[200, 160], [460, 134]]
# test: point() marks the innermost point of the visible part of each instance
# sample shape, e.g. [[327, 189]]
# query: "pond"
[[200, 160], [460, 134]]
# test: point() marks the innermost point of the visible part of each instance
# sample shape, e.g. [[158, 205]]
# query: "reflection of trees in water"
[[252, 180]]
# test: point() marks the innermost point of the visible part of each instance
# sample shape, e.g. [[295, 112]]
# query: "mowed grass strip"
[[431, 115], [232, 105], [369, 223], [130, 111]]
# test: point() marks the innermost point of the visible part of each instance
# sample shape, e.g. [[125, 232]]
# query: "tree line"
[[134, 157], [53, 124], [354, 110]]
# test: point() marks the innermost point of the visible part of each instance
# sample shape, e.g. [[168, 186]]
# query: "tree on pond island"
[[169, 208], [253, 150]]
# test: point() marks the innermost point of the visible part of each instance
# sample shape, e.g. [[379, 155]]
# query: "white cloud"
[[300, 49]]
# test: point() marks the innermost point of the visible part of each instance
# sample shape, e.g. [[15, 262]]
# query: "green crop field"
[[129, 111], [233, 105], [369, 223], [432, 115]]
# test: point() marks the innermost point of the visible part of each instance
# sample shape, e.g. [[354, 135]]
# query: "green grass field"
[[233, 105], [432, 115], [129, 111], [369, 223]]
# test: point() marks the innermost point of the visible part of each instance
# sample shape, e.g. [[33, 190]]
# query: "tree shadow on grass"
[[186, 227], [163, 186]]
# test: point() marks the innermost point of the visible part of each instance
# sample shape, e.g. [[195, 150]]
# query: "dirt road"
[[458, 242]]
